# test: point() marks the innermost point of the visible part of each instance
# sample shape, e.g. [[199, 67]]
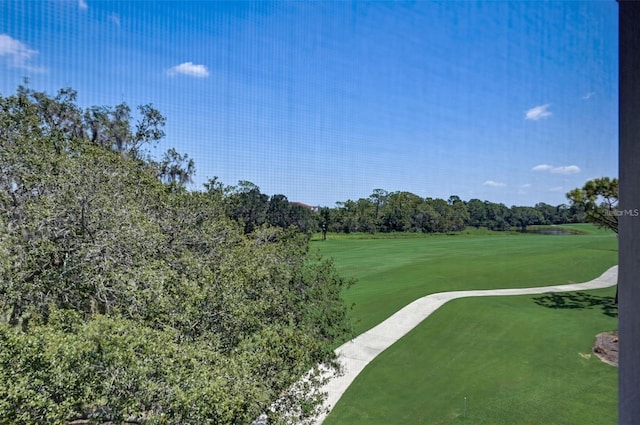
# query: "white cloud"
[[538, 112], [114, 18], [588, 95], [82, 4], [492, 183], [17, 53], [567, 169], [190, 69], [542, 167], [556, 189], [564, 169], [525, 186]]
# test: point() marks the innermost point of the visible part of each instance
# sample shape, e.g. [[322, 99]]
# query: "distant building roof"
[[303, 205]]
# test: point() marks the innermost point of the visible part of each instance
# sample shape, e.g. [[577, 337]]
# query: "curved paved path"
[[357, 353]]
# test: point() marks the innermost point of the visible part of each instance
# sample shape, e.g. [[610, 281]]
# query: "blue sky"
[[512, 102]]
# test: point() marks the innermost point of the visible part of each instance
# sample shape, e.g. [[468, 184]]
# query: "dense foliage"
[[599, 199], [407, 212], [123, 296]]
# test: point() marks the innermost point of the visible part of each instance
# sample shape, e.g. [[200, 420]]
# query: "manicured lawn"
[[516, 361], [392, 272]]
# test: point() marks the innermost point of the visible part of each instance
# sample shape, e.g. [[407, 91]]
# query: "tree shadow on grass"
[[574, 300]]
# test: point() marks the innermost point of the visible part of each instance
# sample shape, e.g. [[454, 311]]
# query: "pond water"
[[555, 232], [552, 231]]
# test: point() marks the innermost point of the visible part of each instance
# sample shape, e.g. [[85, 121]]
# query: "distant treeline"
[[406, 212], [391, 212]]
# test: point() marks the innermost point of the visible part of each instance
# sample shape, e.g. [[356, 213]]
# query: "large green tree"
[[124, 296], [599, 200]]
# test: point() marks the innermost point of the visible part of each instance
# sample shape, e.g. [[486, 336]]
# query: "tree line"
[[386, 212], [403, 211]]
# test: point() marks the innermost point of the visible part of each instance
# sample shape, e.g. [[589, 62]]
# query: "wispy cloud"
[[523, 189], [542, 167], [538, 112], [82, 4], [17, 53], [588, 95], [556, 189], [190, 69], [115, 19], [563, 169], [566, 169], [492, 183]]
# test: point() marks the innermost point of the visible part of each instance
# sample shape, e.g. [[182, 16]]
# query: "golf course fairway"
[[493, 360]]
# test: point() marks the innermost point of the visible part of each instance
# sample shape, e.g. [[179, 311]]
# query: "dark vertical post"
[[629, 205]]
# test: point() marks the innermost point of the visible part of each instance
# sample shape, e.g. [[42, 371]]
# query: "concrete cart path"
[[357, 353]]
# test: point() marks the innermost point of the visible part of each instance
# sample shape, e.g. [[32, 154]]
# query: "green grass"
[[392, 272], [516, 361]]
